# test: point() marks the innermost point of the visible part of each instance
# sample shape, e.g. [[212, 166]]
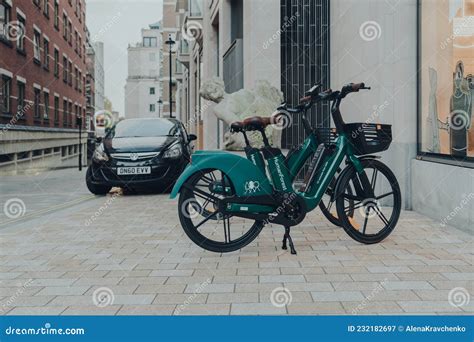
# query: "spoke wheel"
[[328, 202], [369, 219], [202, 221]]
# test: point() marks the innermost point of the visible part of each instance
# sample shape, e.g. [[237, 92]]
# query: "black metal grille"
[[305, 60]]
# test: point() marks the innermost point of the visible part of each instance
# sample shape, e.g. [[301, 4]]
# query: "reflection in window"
[[447, 82], [195, 8]]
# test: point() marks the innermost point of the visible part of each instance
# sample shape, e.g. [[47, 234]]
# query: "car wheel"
[[96, 189]]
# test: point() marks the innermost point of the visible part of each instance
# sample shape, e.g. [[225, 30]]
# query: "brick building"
[[42, 83]]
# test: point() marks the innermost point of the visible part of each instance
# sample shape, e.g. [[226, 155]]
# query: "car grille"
[[135, 156]]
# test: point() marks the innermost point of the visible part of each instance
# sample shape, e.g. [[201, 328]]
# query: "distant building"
[[42, 83], [143, 87], [99, 75]]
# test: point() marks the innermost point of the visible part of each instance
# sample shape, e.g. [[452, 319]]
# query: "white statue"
[[260, 101]]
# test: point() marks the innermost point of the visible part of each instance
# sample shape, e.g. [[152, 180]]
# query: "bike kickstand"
[[287, 236]]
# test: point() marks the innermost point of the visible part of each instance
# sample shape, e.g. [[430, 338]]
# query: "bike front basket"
[[369, 138]]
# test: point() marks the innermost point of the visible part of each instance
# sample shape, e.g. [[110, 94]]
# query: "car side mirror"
[[192, 137]]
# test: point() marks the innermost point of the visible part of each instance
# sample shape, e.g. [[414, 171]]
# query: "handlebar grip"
[[358, 86], [306, 99]]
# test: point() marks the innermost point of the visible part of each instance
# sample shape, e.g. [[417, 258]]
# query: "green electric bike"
[[243, 195]]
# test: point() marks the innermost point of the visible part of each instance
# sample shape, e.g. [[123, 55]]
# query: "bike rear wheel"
[[201, 219], [373, 219]]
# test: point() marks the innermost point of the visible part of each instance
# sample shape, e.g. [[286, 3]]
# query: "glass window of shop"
[[446, 88]]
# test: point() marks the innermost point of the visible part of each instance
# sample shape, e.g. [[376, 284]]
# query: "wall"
[[445, 193], [387, 64]]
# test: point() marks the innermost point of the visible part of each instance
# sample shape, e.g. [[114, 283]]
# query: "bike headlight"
[[100, 155], [173, 152]]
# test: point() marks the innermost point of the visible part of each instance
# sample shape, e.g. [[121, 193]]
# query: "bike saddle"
[[257, 123], [237, 127]]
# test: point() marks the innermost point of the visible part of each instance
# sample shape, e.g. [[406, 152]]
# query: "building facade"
[[169, 73], [417, 55], [99, 75], [42, 83], [143, 88]]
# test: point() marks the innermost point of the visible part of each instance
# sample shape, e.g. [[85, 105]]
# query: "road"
[[41, 194]]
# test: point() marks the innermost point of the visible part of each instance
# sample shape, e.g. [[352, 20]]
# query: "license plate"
[[131, 171]]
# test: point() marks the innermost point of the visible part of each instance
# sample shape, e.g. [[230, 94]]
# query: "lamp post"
[[171, 42], [160, 103]]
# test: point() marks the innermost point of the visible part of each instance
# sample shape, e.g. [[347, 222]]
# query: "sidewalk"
[[128, 255]]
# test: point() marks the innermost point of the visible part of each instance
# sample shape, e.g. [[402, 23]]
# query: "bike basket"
[[369, 138]]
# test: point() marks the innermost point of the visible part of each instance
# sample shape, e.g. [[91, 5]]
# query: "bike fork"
[[286, 237]]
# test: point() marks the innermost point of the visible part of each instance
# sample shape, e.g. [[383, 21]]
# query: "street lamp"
[[171, 42], [160, 103]]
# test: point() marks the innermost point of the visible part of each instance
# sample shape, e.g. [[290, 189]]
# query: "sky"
[[117, 23]]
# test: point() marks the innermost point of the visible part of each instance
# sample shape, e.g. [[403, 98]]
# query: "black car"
[[140, 153]]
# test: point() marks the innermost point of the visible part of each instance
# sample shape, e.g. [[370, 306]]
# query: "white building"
[[99, 75], [143, 89]]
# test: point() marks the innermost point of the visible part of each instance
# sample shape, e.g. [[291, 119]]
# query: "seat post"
[[265, 139]]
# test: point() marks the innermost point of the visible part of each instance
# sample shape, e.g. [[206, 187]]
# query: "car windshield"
[[144, 128]]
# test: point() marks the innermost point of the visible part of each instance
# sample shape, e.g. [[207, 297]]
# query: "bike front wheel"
[[370, 219], [201, 219]]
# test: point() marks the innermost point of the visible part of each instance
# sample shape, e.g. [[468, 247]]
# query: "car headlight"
[[100, 155], [173, 152]]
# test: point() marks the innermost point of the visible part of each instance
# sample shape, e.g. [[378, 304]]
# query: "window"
[[56, 14], [56, 109], [149, 42], [152, 108], [65, 69], [37, 46], [5, 95], [20, 42], [152, 91], [46, 8], [65, 113], [46, 53], [195, 8], [4, 19], [446, 80], [46, 106], [76, 78], [70, 114], [21, 99], [69, 71], [56, 62], [37, 103], [69, 28], [65, 27]]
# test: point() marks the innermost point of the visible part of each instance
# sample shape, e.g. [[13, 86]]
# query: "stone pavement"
[[128, 255]]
